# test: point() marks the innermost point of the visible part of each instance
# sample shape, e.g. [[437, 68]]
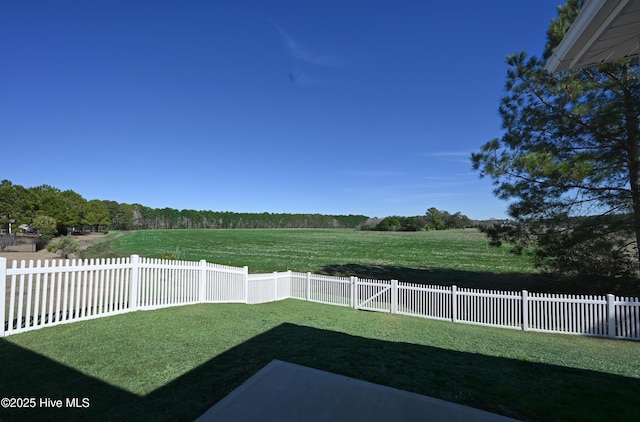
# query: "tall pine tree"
[[569, 161]]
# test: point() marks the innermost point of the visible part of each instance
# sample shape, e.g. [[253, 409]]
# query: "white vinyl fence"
[[53, 292]]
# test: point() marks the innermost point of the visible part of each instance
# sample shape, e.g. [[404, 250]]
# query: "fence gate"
[[374, 295]]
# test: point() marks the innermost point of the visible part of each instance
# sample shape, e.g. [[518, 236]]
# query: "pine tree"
[[569, 161]]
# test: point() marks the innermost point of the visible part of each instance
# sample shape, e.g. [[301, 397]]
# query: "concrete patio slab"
[[284, 391]]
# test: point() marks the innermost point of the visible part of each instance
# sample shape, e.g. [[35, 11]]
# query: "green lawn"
[[174, 363]]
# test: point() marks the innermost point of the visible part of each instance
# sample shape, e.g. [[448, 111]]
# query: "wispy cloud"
[[449, 154], [303, 78], [426, 197], [298, 52], [457, 156], [373, 173]]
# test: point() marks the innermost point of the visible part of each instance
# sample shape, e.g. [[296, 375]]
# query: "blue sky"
[[333, 107]]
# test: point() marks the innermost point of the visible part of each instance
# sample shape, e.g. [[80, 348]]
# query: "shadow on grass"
[[516, 388], [541, 283]]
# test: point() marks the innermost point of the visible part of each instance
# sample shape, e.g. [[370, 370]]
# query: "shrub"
[[64, 246]]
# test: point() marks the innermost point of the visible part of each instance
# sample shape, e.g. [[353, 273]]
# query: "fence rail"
[[51, 292]]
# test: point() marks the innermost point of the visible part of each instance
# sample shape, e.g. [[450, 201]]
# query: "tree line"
[[49, 211], [434, 219]]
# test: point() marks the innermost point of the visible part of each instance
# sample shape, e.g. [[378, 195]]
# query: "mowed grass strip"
[[174, 363]]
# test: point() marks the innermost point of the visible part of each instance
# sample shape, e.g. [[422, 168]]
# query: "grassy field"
[[173, 364], [460, 257], [315, 249]]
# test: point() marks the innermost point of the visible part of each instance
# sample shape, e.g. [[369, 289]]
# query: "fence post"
[[394, 296], [245, 274], [202, 282], [611, 316], [275, 286], [3, 290], [525, 310], [134, 281], [454, 303], [354, 292], [307, 291]]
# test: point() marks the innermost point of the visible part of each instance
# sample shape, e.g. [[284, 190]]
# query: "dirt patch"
[[85, 241], [19, 256]]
